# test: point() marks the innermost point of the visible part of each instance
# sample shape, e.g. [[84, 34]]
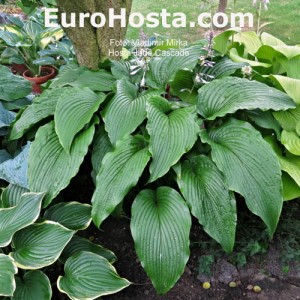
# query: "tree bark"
[[92, 45], [222, 9]]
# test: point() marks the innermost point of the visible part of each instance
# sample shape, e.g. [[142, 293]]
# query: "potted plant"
[[25, 44]]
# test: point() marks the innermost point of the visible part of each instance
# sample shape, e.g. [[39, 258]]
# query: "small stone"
[[146, 292], [250, 287], [227, 272], [206, 285], [232, 284], [257, 289]]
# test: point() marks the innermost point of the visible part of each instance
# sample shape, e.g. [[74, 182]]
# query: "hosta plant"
[[189, 132]]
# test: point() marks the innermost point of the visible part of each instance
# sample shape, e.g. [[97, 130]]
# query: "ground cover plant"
[[178, 137]]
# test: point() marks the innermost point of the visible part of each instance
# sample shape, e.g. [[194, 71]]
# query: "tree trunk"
[[222, 9], [92, 45]]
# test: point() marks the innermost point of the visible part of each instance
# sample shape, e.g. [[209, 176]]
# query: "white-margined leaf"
[[160, 226], [39, 245], [11, 195], [7, 271], [89, 276]]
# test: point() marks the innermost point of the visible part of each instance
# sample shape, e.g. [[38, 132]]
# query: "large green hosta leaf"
[[40, 245], [250, 166], [126, 111], [119, 172], [204, 188], [98, 81], [50, 168], [291, 190], [14, 169], [227, 95], [7, 271], [42, 107], [291, 141], [89, 276], [172, 134], [73, 215], [17, 217], [78, 244], [163, 69], [160, 227], [75, 108], [34, 285], [12, 87]]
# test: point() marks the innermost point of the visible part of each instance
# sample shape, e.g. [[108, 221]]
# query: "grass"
[[284, 14]]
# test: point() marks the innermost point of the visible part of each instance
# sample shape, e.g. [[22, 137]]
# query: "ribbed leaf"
[[288, 119], [163, 69], [126, 111], [291, 141], [204, 188], [39, 245], [7, 271], [78, 244], [50, 168], [17, 217], [73, 215], [160, 226], [250, 167], [119, 172], [228, 95], [172, 134], [101, 146], [14, 169], [34, 285], [89, 276], [9, 82], [74, 109], [42, 107], [6, 118], [100, 81], [11, 196]]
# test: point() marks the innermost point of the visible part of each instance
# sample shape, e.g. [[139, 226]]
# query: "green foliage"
[[221, 130]]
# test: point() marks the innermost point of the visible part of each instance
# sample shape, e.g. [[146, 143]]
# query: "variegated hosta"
[[175, 149]]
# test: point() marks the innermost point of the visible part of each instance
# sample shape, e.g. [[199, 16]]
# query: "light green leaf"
[[268, 39], [203, 187], [78, 244], [222, 42], [298, 128], [126, 111], [119, 172], [250, 40], [42, 107], [14, 169], [50, 168], [288, 119], [228, 95], [75, 108], [34, 285], [9, 82], [160, 226], [289, 85], [11, 196], [7, 271], [291, 142], [73, 215], [250, 167], [89, 276], [17, 217], [291, 190], [101, 146], [40, 245], [172, 134]]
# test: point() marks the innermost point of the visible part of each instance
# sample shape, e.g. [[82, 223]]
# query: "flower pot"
[[47, 73], [18, 69]]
